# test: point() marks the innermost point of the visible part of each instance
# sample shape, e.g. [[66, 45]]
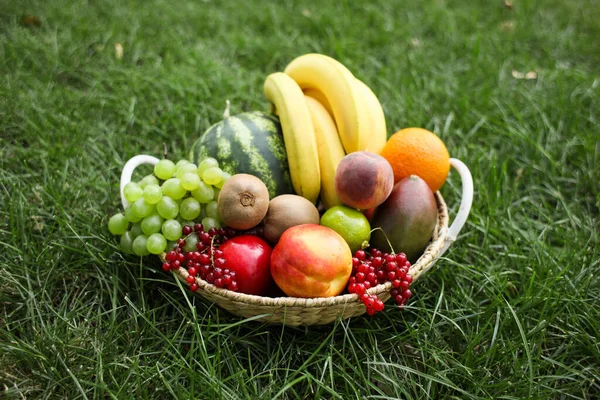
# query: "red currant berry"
[[360, 254], [360, 277], [389, 258], [171, 256], [360, 289], [166, 266], [408, 278], [192, 271], [175, 264], [404, 284], [220, 262], [352, 280], [364, 297], [362, 268], [355, 262], [190, 279], [233, 286], [407, 294], [381, 276], [371, 311], [210, 278], [400, 258], [218, 253], [226, 280], [396, 283], [193, 287], [217, 273], [391, 266], [352, 288], [204, 259], [181, 257], [219, 283], [371, 277], [402, 272], [399, 299], [186, 230], [367, 284], [377, 262], [379, 306]]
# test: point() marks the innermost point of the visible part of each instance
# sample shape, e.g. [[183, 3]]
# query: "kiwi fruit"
[[285, 211], [243, 201]]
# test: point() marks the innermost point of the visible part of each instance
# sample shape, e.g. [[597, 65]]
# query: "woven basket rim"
[[424, 263]]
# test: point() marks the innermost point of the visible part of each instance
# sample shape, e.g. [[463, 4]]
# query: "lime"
[[350, 223]]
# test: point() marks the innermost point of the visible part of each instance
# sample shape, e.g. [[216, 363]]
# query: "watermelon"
[[249, 143]]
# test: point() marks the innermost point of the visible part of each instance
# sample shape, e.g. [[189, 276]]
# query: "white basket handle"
[[128, 169], [465, 203]]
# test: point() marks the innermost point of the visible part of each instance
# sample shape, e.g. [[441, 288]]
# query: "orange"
[[417, 151]]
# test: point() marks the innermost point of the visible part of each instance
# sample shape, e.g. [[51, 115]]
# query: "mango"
[[407, 219]]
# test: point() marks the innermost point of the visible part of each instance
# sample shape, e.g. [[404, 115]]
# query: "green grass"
[[511, 312]]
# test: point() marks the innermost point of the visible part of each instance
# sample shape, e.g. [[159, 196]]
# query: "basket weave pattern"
[[316, 311]]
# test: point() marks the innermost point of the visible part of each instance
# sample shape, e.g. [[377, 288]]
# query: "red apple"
[[249, 256], [311, 261]]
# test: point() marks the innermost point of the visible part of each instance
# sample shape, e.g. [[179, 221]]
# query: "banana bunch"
[[325, 113]]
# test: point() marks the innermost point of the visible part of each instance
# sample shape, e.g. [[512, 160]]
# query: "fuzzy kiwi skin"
[[243, 201], [285, 211]]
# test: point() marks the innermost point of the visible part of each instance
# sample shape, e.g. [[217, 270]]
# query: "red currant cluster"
[[372, 269], [206, 261]]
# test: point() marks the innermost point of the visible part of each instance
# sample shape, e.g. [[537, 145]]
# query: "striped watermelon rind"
[[250, 143]]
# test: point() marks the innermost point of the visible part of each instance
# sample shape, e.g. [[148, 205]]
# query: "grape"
[[171, 229], [185, 169], [208, 223], [167, 208], [172, 188], [148, 180], [212, 175], [136, 230], [156, 243], [224, 178], [189, 208], [212, 210], [139, 246], [142, 209], [190, 242], [152, 194], [204, 193], [190, 181], [117, 224], [164, 169], [152, 224], [132, 191], [126, 243], [217, 191], [131, 215], [207, 163], [180, 164]]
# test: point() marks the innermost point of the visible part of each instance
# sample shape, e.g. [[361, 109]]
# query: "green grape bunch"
[[160, 204]]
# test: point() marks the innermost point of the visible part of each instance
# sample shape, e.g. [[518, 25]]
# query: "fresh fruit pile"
[[310, 200]]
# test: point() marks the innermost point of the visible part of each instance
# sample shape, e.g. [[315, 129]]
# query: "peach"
[[364, 180], [311, 261]]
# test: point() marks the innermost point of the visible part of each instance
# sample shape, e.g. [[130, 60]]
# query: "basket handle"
[[128, 169], [465, 204]]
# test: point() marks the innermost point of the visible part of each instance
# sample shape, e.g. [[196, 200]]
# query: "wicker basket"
[[319, 311]]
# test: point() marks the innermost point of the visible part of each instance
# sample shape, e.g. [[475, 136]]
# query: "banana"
[[330, 150], [338, 85], [320, 97], [298, 134], [378, 136]]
